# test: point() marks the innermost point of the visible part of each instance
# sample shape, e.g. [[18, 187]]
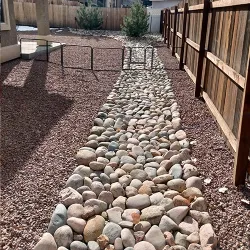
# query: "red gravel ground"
[[46, 116], [231, 219]]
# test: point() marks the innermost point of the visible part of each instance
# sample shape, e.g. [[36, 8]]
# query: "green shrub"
[[136, 23], [89, 18]]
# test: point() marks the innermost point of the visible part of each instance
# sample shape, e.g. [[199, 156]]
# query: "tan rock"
[[46, 242], [93, 228]]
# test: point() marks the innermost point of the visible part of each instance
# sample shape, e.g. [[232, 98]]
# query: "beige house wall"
[[9, 47]]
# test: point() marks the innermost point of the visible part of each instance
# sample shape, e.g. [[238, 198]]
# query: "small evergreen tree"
[[136, 23], [89, 18]]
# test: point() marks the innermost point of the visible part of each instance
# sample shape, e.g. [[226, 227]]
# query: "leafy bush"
[[136, 23], [89, 18]]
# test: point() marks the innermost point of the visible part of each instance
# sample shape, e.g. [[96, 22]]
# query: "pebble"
[[131, 191], [98, 205], [127, 237], [142, 226], [58, 219], [162, 179], [78, 245], [46, 242], [118, 244], [193, 237], [75, 181], [116, 189], [115, 214], [87, 212], [102, 241], [96, 166], [180, 201], [70, 196], [127, 159], [138, 201], [152, 214], [136, 183], [207, 235], [106, 196], [177, 214], [194, 181], [176, 171], [139, 174], [93, 245], [195, 246], [188, 226], [181, 239], [127, 214], [120, 202], [201, 217], [144, 245], [169, 238], [191, 192], [170, 194], [156, 198], [112, 231], [83, 171], [180, 135], [76, 224], [84, 157], [199, 204], [126, 224], [155, 237], [189, 170], [167, 224], [63, 236], [178, 185]]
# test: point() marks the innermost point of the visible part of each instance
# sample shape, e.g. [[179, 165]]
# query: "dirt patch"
[[231, 219]]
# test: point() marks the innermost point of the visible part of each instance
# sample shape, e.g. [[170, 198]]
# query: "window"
[[5, 18]]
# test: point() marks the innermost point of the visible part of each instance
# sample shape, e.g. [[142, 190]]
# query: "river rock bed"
[[136, 186]]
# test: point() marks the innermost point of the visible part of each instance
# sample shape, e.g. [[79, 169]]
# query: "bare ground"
[[46, 116], [231, 219]]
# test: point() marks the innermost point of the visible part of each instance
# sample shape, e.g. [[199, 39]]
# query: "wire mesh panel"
[[107, 58], [75, 56]]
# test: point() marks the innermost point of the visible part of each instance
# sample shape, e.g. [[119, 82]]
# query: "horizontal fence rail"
[[64, 15], [211, 41]]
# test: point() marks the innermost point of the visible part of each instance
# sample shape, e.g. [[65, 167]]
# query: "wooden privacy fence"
[[211, 42], [64, 15]]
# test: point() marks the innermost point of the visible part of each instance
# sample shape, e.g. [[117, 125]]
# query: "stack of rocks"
[[135, 186]]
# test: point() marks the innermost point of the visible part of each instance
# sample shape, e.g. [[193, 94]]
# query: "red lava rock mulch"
[[46, 116], [231, 219]]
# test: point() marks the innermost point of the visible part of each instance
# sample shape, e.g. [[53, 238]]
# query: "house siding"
[[9, 37], [164, 4]]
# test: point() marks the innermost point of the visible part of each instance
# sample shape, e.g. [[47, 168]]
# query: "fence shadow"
[[28, 114]]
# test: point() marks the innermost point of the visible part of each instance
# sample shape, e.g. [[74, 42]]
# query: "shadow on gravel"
[[28, 114]]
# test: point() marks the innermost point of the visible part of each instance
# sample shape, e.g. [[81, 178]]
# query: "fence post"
[[62, 55], [161, 24], [202, 44], [165, 25], [183, 40], [47, 50], [92, 59], [174, 29], [168, 15], [122, 57], [242, 152]]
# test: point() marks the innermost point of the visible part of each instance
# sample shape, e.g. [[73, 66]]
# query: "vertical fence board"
[[241, 159], [202, 47]]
